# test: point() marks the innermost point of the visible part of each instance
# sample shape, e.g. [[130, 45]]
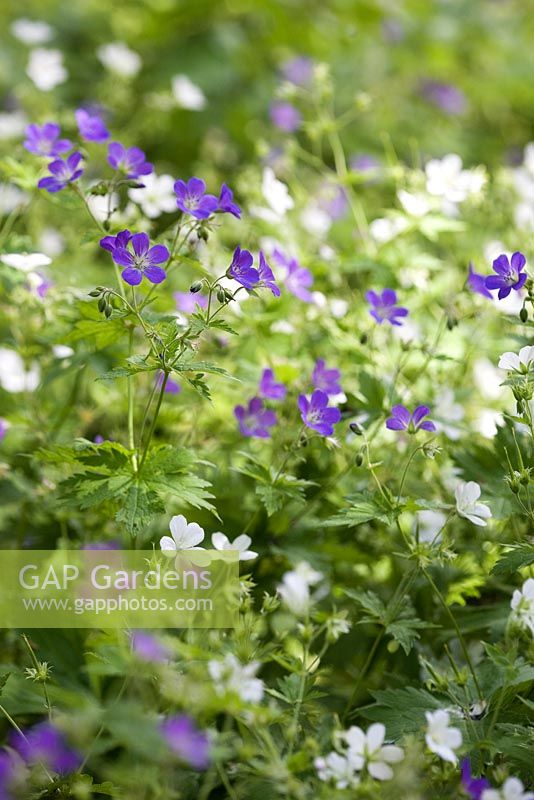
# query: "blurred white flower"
[[185, 536], [517, 362], [445, 178], [187, 94], [308, 573], [337, 768], [157, 196], [467, 504], [314, 220], [282, 326], [230, 675], [512, 789], [45, 68], [523, 605], [486, 422], [487, 378], [103, 205], [62, 351], [12, 124], [241, 543], [11, 197], [31, 31], [118, 58], [14, 377], [415, 204], [440, 737], [338, 307], [368, 750], [51, 242], [429, 523], [276, 193], [446, 413], [384, 229], [26, 262]]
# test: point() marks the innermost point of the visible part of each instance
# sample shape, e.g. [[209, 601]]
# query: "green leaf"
[[514, 560], [363, 507], [402, 711]]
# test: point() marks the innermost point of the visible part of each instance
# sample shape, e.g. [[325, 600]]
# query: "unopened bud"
[[196, 287], [355, 428], [221, 295], [523, 314], [359, 460]]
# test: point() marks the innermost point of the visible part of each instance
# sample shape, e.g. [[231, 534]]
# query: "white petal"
[[526, 354], [247, 555], [375, 736], [355, 739], [220, 541], [380, 770], [193, 535], [168, 545], [242, 542], [509, 361], [475, 520], [392, 754], [178, 526]]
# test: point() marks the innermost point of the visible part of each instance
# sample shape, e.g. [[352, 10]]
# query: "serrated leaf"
[[514, 560]]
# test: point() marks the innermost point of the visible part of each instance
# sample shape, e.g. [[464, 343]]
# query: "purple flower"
[[148, 648], [120, 240], [477, 282], [255, 420], [298, 279], [188, 301], [326, 379], [384, 307], [509, 275], [364, 162], [40, 285], [192, 199], [102, 545], [171, 387], [473, 786], [63, 173], [402, 420], [298, 70], [448, 98], [187, 741], [131, 161], [241, 269], [269, 388], [226, 202], [4, 425], [316, 413], [143, 261], [43, 140], [44, 743], [333, 200], [285, 116], [266, 276], [91, 126]]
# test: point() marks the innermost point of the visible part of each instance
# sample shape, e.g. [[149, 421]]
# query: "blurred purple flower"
[[384, 307], [285, 116], [187, 741], [255, 420], [91, 126], [62, 173], [40, 285], [364, 162], [112, 242], [266, 276], [269, 388], [148, 648], [3, 430], [392, 30], [131, 161], [191, 198], [448, 98], [316, 413], [43, 140], [171, 387], [298, 279], [477, 282], [226, 202], [333, 200], [188, 301], [509, 275], [44, 743], [326, 379], [102, 546], [402, 420], [298, 70], [143, 262], [473, 786]]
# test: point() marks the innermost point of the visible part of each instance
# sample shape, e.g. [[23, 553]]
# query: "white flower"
[[31, 31], [118, 58], [187, 94], [445, 178], [446, 413], [315, 221], [517, 362], [487, 379], [45, 68], [512, 789], [157, 196], [415, 204], [51, 242], [221, 542], [295, 593], [523, 605], [276, 193], [429, 523], [13, 375], [384, 229], [440, 738], [337, 768], [103, 206], [467, 495], [62, 351], [308, 573], [11, 197], [12, 124], [27, 262], [185, 536], [368, 750], [230, 675]]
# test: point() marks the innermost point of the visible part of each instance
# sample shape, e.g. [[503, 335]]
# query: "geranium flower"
[[131, 161], [255, 420], [187, 94], [298, 279], [4, 427], [118, 58], [148, 648], [295, 592], [317, 414], [523, 605], [269, 388], [187, 302], [43, 140], [14, 377], [402, 420], [120, 240], [298, 70], [45, 744], [384, 307], [285, 116], [512, 789], [473, 786], [156, 196], [230, 675], [518, 362], [143, 261], [326, 379], [185, 536], [368, 750], [477, 282], [467, 495], [339, 769], [191, 198], [241, 543], [276, 193], [45, 68], [445, 96], [440, 737], [187, 741], [242, 271], [226, 202], [510, 274], [91, 126], [63, 173], [26, 262]]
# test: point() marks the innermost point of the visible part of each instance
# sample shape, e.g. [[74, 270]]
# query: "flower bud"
[[523, 314], [359, 459], [221, 295], [196, 287], [102, 304], [355, 428]]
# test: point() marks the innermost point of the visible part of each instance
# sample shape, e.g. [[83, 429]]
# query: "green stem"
[[154, 420], [131, 438]]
